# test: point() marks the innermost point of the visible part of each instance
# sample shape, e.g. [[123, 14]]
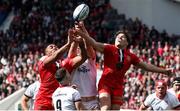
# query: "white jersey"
[[171, 90], [64, 98], [169, 102], [84, 77], [31, 92]]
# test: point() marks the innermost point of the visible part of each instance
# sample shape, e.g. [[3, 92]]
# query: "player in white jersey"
[[30, 95], [162, 99], [65, 97], [175, 86], [84, 77]]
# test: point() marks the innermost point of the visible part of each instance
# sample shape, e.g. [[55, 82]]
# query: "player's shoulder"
[[109, 47], [33, 84], [170, 94], [43, 58], [151, 96], [70, 89]]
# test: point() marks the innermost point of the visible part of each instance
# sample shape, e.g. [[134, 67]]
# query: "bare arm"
[[142, 107], [24, 103], [57, 54], [79, 106], [83, 33], [73, 50], [153, 68], [78, 60]]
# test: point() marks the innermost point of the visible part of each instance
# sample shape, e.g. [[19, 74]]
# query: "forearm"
[[73, 50], [142, 107], [83, 51], [60, 52], [90, 41], [152, 68], [24, 106], [63, 49], [90, 51], [24, 103], [56, 55]]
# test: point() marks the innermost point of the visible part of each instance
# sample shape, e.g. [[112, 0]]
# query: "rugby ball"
[[81, 12]]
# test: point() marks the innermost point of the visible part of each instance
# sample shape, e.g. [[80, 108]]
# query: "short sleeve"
[[174, 100], [41, 62], [134, 59], [30, 91], [76, 96], [108, 48], [148, 100], [67, 64]]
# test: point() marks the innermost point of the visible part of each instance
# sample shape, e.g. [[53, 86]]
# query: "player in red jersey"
[[47, 67], [117, 60]]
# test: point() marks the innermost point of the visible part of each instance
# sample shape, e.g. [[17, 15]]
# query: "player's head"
[[51, 48], [63, 76], [121, 39], [176, 84], [161, 87]]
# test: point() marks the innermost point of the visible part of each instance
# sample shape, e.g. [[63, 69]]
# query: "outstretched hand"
[[82, 27], [79, 32], [70, 36], [169, 72]]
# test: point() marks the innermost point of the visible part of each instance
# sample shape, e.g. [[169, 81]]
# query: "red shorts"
[[43, 107], [116, 93]]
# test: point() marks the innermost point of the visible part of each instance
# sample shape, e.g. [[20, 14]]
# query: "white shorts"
[[91, 105]]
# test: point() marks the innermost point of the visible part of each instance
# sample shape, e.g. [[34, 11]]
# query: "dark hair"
[[125, 33], [176, 80], [60, 74]]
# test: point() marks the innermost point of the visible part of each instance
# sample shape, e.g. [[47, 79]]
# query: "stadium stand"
[[37, 23]]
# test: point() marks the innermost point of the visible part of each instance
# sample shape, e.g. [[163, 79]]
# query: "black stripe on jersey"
[[145, 105], [153, 101], [176, 106], [27, 96], [158, 103], [77, 100]]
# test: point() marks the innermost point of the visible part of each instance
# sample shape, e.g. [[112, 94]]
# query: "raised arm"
[[79, 59], [81, 30], [73, 50], [59, 52], [90, 51], [153, 68]]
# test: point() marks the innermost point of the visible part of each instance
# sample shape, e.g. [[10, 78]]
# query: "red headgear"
[[161, 82]]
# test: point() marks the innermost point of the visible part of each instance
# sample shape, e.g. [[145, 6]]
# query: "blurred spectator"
[[175, 86], [38, 22]]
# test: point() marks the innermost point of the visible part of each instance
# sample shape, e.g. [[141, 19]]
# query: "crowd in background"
[[5, 8], [37, 23]]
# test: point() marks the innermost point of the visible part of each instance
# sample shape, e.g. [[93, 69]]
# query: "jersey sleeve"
[[108, 48], [134, 59], [67, 64], [148, 101], [174, 101], [41, 62], [76, 96], [30, 91]]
